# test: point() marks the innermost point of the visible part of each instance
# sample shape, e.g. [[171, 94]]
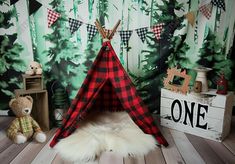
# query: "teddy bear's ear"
[[11, 101], [29, 98]]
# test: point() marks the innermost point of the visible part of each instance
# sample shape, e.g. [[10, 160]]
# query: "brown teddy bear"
[[24, 126], [35, 68]]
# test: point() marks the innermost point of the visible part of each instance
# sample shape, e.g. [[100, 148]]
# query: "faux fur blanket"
[[107, 131]]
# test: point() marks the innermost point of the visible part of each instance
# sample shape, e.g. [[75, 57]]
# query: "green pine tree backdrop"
[[11, 65]]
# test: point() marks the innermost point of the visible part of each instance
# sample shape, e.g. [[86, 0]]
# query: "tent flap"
[[108, 87]]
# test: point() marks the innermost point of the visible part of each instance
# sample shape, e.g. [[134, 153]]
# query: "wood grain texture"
[[33, 148], [11, 152], [222, 151], [59, 160], [183, 148], [5, 143], [110, 158], [2, 134], [155, 157], [134, 160], [186, 149], [46, 155], [3, 119], [171, 153], [205, 151], [229, 142], [5, 122]]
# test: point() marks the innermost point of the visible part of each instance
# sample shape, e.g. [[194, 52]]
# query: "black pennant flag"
[[33, 6], [12, 2]]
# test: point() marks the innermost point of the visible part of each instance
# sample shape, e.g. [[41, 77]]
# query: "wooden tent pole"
[[100, 29], [102, 32], [114, 29]]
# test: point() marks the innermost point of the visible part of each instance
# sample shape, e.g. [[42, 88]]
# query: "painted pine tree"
[[94, 45], [212, 55], [157, 51], [231, 57], [178, 56], [63, 53], [91, 51], [11, 64]]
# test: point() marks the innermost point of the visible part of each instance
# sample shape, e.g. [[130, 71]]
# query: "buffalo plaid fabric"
[[74, 25], [157, 30], [92, 30], [125, 36], [107, 87], [141, 32], [206, 10], [219, 3], [52, 16]]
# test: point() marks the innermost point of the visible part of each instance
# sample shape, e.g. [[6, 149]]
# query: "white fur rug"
[[106, 131]]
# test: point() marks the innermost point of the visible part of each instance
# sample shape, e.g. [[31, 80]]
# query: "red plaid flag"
[[157, 30], [206, 10], [52, 16]]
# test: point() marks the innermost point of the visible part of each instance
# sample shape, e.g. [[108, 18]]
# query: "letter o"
[[172, 110]]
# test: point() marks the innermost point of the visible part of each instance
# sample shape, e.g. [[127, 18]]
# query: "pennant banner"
[[91, 30], [34, 6], [157, 30], [190, 16], [196, 33], [141, 32], [204, 2], [12, 2], [125, 36], [52, 16], [74, 25], [219, 3], [206, 10]]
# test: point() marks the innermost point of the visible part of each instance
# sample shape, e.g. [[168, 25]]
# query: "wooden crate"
[[34, 82], [40, 111], [207, 116]]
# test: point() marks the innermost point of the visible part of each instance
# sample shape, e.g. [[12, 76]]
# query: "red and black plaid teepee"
[[108, 87]]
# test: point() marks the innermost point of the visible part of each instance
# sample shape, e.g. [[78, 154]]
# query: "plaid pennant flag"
[[12, 2], [125, 36], [141, 32], [157, 30], [52, 16], [219, 3], [206, 10], [190, 16], [196, 32], [92, 30], [34, 6], [74, 25]]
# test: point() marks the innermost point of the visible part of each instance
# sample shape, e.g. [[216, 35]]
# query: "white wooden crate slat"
[[208, 115], [213, 98], [212, 124], [213, 112]]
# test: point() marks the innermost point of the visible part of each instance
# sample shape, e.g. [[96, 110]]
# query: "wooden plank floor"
[[183, 148]]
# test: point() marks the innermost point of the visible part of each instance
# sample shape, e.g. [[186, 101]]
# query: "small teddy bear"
[[35, 68], [24, 126]]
